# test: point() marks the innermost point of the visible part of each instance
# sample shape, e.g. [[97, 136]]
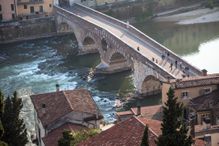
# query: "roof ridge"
[[140, 120], [69, 103]]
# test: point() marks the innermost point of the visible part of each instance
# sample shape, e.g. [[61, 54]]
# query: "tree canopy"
[[174, 129], [73, 138]]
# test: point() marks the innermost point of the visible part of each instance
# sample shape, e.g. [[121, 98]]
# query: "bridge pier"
[[105, 68]]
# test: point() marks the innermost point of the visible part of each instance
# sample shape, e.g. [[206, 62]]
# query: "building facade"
[[34, 8], [53, 111], [7, 10]]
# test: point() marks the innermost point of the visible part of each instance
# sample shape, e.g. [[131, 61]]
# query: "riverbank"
[[201, 15], [27, 30]]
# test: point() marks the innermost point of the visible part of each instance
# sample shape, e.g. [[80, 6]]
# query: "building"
[[150, 112], [192, 87], [89, 3], [200, 95], [7, 10], [130, 133], [34, 8], [126, 133], [70, 110]]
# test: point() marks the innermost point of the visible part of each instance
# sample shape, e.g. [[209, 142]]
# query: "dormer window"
[[43, 105], [207, 90]]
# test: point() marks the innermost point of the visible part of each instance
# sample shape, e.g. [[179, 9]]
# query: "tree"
[[15, 131], [174, 129], [144, 141], [2, 143], [73, 138]]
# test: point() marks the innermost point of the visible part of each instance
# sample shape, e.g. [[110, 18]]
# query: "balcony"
[[23, 2]]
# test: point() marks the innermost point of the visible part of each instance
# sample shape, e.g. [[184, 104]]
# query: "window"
[[41, 8], [25, 6], [50, 5], [13, 16], [207, 90], [0, 7], [0, 17], [185, 94], [12, 7], [31, 9]]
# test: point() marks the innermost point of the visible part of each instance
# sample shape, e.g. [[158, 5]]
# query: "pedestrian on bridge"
[[171, 66], [176, 63]]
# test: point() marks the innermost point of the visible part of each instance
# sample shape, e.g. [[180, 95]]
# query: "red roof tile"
[[152, 112], [51, 106], [126, 133], [52, 137], [154, 125], [199, 142], [195, 81]]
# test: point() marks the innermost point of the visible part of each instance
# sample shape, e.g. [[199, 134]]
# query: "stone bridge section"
[[121, 46]]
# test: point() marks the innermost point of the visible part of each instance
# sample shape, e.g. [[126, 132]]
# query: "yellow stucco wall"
[[47, 7], [192, 92], [6, 11]]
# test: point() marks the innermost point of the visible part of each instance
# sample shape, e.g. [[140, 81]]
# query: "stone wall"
[[27, 29]]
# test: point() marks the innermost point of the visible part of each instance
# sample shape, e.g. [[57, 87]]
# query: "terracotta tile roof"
[[124, 113], [199, 142], [154, 125], [126, 133], [52, 137], [207, 101], [195, 81], [52, 106], [152, 112]]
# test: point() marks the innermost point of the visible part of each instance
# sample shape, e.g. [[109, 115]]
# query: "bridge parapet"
[[143, 37]]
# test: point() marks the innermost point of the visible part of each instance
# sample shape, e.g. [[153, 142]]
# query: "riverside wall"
[[27, 29]]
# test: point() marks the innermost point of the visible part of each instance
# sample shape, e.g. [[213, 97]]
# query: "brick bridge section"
[[121, 47]]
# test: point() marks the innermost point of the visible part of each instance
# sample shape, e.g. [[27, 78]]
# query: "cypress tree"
[[174, 129], [15, 131], [144, 141], [2, 143]]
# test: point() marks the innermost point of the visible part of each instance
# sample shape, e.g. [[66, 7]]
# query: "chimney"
[[138, 109], [57, 87], [204, 72], [207, 139]]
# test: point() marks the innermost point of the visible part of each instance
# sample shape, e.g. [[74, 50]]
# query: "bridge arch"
[[88, 41], [150, 84], [117, 58]]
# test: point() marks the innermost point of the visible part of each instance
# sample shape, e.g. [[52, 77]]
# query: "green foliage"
[[144, 141], [15, 131], [2, 143], [174, 130], [73, 138]]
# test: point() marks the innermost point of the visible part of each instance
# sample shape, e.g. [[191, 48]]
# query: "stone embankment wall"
[[27, 29]]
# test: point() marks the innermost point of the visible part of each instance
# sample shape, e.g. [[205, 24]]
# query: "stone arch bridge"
[[122, 47]]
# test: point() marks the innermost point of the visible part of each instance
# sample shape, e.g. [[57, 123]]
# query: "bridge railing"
[[131, 29]]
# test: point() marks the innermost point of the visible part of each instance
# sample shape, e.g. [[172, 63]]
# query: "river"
[[32, 67]]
